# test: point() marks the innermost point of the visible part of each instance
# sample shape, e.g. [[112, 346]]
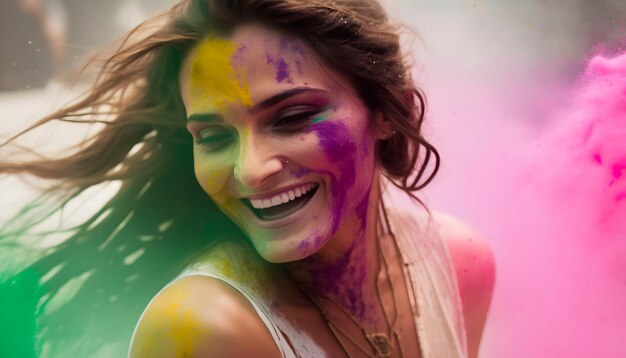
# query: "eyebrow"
[[277, 98], [268, 103], [204, 117]]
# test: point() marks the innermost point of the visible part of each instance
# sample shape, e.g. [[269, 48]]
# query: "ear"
[[382, 126]]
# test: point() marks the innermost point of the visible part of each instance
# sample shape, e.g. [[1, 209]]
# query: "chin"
[[289, 249], [295, 236]]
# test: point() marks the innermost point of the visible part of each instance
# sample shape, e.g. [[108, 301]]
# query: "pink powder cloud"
[[561, 238], [538, 165]]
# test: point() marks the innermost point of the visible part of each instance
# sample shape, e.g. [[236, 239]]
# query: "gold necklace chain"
[[334, 329], [380, 342]]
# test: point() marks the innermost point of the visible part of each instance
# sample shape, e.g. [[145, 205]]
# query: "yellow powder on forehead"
[[214, 83]]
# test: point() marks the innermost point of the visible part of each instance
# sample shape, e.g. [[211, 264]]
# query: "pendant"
[[381, 344]]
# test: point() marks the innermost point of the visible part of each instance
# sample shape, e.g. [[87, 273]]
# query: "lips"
[[282, 205]]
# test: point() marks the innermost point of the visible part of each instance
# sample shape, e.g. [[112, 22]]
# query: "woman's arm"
[[475, 269], [202, 317]]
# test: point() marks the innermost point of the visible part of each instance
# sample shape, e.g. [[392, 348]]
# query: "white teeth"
[[282, 197]]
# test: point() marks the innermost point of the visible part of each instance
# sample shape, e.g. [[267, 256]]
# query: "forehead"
[[252, 64]]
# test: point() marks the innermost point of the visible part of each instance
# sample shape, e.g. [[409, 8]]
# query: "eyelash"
[[214, 142], [298, 120], [291, 123]]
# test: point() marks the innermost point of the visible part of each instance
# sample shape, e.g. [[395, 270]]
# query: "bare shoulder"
[[475, 268], [470, 251], [201, 316]]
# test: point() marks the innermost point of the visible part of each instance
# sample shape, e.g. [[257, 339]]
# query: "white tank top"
[[429, 273]]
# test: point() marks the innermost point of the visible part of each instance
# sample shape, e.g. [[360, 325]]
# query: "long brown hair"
[[144, 143]]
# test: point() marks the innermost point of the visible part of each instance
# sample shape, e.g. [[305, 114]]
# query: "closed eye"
[[297, 117], [214, 139]]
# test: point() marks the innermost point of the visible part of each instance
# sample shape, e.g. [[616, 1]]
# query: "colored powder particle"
[[314, 240], [361, 210], [304, 245], [282, 69], [319, 118], [239, 53], [282, 74], [214, 83], [326, 275], [301, 172]]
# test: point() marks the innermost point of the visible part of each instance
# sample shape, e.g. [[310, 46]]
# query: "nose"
[[256, 162]]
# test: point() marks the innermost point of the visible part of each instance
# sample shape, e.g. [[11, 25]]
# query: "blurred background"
[[505, 84]]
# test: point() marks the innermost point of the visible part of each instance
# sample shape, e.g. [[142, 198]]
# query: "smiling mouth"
[[282, 210]]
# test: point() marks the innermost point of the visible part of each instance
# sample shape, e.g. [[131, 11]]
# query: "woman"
[[305, 133]]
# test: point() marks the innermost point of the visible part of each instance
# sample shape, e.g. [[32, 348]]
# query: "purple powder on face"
[[238, 56], [297, 48], [291, 45], [334, 138], [301, 172], [366, 139], [361, 210], [240, 51], [304, 245], [282, 69], [318, 239], [282, 74], [314, 239], [283, 43]]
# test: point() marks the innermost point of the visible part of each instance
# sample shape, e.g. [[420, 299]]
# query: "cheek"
[[335, 141], [212, 172]]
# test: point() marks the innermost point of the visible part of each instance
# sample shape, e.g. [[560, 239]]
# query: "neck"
[[345, 270]]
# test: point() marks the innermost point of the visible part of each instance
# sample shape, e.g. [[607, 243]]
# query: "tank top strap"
[[429, 273], [235, 264]]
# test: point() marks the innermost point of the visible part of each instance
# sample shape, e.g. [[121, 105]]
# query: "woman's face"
[[283, 145]]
